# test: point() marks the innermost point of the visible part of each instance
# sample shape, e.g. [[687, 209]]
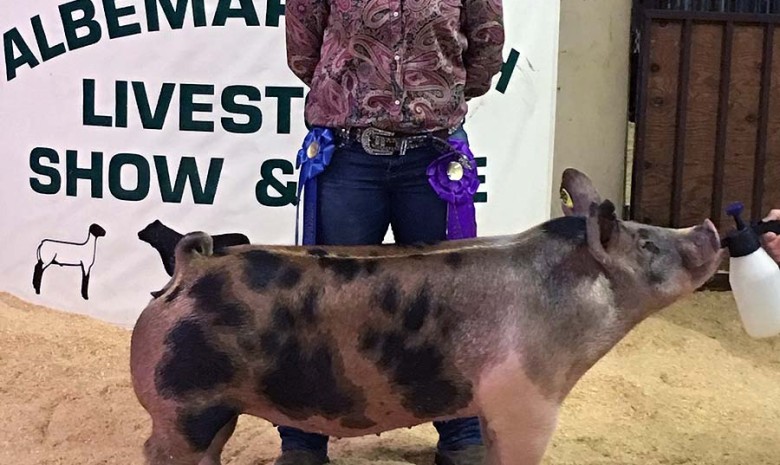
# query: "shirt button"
[[397, 102], [395, 14], [397, 57]]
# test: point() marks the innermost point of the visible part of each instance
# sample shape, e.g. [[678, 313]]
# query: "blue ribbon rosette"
[[453, 176], [313, 157]]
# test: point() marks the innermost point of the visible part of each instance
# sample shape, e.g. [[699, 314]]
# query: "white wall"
[[592, 101]]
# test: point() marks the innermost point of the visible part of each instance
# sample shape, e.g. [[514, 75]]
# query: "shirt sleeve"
[[305, 22], [483, 25]]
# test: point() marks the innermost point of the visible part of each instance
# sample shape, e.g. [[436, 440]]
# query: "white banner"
[[123, 116]]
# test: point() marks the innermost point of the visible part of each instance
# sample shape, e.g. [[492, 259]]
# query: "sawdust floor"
[[686, 387]]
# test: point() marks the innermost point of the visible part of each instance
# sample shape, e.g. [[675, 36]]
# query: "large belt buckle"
[[368, 139]]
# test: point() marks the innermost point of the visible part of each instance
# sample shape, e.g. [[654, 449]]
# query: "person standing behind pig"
[[387, 79]]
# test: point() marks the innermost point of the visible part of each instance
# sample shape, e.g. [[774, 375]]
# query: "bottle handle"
[[764, 227]]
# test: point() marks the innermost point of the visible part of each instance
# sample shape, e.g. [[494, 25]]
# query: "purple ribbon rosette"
[[453, 176]]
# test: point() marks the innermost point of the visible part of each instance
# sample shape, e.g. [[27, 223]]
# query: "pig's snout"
[[701, 245], [712, 232]]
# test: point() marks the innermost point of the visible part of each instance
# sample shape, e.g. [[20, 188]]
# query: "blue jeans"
[[359, 196]]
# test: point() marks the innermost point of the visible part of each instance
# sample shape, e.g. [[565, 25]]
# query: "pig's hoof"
[[301, 457], [470, 455]]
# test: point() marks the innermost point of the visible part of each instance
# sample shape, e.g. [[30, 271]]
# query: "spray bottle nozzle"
[[744, 241], [735, 211]]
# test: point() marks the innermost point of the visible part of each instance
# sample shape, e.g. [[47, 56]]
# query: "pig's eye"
[[651, 247]]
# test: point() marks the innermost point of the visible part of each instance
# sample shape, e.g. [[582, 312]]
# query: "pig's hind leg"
[[190, 436], [214, 452]]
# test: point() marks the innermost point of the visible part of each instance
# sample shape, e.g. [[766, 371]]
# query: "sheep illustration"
[[73, 254]]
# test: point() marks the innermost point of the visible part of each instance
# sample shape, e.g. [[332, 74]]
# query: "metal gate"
[[707, 110]]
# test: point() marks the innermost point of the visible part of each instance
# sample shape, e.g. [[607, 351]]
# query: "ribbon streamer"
[[453, 177], [313, 157]]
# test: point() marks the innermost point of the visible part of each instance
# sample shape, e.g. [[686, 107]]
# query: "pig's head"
[[649, 267]]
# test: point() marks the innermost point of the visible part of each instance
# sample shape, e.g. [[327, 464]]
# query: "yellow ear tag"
[[566, 198], [313, 149]]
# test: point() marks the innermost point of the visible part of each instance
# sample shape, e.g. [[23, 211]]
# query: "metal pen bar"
[[722, 124], [763, 123], [681, 124]]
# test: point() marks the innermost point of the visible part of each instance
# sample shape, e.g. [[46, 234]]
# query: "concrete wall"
[[592, 101]]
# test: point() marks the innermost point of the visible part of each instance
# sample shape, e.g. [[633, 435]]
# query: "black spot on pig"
[[289, 383], [415, 314], [308, 309], [370, 340], [302, 357], [209, 294], [652, 248], [571, 228], [388, 298], [428, 386], [346, 269], [283, 319], [270, 343], [201, 427], [261, 268], [454, 259], [371, 266], [289, 277], [191, 363], [316, 252]]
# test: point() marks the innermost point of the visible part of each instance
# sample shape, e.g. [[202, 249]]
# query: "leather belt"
[[386, 143]]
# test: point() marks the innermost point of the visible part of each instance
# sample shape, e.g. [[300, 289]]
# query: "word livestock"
[[153, 106], [81, 25]]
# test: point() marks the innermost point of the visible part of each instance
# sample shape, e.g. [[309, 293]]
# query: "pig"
[[350, 341]]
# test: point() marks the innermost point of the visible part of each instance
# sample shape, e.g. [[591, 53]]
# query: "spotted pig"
[[349, 341]]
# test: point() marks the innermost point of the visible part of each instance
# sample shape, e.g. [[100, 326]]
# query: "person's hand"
[[770, 240]]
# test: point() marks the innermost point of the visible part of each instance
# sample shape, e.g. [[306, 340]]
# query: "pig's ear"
[[577, 193], [602, 229]]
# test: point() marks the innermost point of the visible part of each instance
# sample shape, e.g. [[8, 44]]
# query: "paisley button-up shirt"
[[400, 65]]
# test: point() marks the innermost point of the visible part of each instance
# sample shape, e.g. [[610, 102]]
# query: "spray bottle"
[[754, 276]]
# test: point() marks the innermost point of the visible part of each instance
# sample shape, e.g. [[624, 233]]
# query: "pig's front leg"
[[520, 437], [517, 419]]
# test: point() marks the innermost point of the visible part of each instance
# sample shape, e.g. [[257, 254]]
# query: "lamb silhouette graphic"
[[71, 254], [164, 240]]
